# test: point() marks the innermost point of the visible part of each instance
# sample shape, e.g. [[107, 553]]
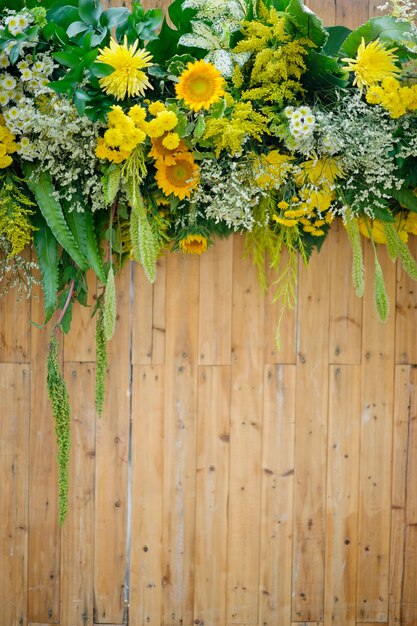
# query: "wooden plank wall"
[[228, 482]]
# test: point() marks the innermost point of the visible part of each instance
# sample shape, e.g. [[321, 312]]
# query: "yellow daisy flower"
[[193, 244], [373, 64], [171, 141], [128, 79], [200, 85], [179, 178]]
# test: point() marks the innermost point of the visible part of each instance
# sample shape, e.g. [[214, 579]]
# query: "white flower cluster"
[[16, 23], [227, 194], [301, 121], [33, 80], [365, 137], [53, 134]]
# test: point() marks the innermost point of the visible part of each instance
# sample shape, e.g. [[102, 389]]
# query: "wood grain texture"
[[77, 546], [377, 404], [14, 469], [112, 455], [277, 495], [215, 319], [213, 437], [14, 329], [311, 438], [342, 495], [345, 307], [245, 442], [80, 343], [147, 492], [406, 314], [44, 535], [149, 316]]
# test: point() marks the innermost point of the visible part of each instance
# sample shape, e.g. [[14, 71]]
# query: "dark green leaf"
[[307, 23], [69, 59], [337, 35], [93, 254], [46, 247], [90, 11], [51, 209], [406, 197], [323, 72], [387, 28], [114, 17]]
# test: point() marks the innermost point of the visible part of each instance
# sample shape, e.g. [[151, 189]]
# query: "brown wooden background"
[[227, 483]]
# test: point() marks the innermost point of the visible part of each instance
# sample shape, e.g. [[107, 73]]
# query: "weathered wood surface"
[[228, 481]]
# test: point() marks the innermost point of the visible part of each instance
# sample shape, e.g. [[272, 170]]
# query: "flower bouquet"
[[123, 134]]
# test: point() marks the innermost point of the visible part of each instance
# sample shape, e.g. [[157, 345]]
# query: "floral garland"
[[121, 136]]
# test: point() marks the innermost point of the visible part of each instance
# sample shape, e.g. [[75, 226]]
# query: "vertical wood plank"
[[286, 351], [112, 454], [147, 490], [44, 535], [180, 440], [215, 323], [376, 444], [409, 598], [148, 328], [212, 490], [406, 313], [80, 343], [245, 441], [14, 329], [14, 446], [77, 547], [352, 14], [399, 479], [342, 495], [345, 306], [311, 438], [326, 9], [277, 495]]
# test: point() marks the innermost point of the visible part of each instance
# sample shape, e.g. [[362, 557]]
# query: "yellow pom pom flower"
[[200, 85], [179, 178], [373, 64], [193, 244], [156, 107], [128, 78], [171, 141]]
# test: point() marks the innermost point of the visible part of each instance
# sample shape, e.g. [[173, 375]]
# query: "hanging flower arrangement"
[[122, 136]]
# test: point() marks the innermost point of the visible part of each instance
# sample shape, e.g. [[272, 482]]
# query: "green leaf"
[[63, 16], [307, 23], [101, 69], [90, 11], [69, 59], [62, 86], [166, 46], [55, 32], [81, 98], [51, 209], [337, 35], [200, 127], [388, 29], [323, 72], [93, 254], [406, 197], [114, 17], [76, 223], [46, 247], [75, 28]]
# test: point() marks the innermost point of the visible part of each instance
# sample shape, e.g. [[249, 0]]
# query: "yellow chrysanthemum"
[[200, 85], [128, 79], [156, 107], [273, 169], [193, 244], [179, 178], [171, 141], [373, 63], [161, 153]]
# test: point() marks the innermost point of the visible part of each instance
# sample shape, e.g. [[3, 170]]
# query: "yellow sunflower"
[[200, 85], [178, 178], [373, 64], [193, 244], [160, 152], [128, 63]]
